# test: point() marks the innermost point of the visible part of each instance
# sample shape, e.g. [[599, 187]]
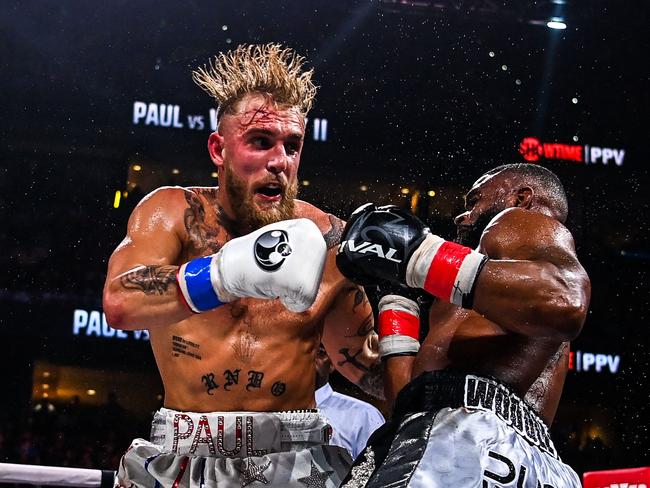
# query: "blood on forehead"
[[261, 112]]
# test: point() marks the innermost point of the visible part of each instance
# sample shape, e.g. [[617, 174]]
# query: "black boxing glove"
[[388, 244], [377, 243]]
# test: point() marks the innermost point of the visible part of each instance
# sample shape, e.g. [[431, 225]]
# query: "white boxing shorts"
[[461, 430], [234, 449]]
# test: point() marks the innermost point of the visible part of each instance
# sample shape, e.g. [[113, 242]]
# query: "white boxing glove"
[[282, 260]]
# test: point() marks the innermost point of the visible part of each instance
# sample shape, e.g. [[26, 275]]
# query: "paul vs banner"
[[170, 116]]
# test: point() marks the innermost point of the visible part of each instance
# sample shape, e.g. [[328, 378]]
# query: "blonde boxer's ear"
[[216, 148]]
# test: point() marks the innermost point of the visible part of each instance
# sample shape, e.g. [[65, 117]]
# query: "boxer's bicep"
[[351, 341], [533, 283], [152, 239], [141, 279]]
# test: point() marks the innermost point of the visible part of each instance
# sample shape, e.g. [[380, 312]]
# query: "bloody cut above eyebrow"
[[254, 131]]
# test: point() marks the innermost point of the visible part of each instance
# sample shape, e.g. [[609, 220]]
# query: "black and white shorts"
[[486, 437]]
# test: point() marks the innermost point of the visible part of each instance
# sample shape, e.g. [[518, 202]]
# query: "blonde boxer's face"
[[260, 149]]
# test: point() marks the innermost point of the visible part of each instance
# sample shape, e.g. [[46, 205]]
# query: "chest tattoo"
[[203, 237]]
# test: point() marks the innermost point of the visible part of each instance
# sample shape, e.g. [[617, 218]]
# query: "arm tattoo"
[[333, 236], [151, 280], [352, 359], [372, 382], [359, 298], [202, 237], [365, 328]]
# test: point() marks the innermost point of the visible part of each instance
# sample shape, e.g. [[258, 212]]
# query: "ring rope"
[[55, 476]]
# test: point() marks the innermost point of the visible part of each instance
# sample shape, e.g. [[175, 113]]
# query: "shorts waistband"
[[435, 390], [237, 434]]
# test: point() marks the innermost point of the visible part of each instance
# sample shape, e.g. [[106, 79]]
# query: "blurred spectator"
[[352, 420]]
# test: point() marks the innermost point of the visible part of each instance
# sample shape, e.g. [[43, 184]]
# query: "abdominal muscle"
[[465, 341], [248, 355]]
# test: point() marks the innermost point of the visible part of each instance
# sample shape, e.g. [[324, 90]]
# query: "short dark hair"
[[547, 186]]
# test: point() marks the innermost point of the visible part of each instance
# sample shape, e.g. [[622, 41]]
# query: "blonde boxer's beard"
[[247, 215]]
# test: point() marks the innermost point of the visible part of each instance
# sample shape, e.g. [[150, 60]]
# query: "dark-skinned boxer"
[[475, 401]]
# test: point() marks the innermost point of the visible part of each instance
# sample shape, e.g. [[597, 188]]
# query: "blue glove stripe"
[[199, 287]]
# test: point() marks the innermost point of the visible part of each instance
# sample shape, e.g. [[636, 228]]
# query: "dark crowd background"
[[418, 96]]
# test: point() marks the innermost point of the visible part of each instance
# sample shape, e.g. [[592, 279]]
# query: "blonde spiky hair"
[[270, 69]]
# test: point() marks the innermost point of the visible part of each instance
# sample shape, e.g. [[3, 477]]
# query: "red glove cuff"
[[399, 322]]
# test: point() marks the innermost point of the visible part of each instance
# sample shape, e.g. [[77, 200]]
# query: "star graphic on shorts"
[[251, 472], [316, 478]]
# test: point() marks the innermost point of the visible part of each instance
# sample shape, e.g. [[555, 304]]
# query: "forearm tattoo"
[[360, 298], [351, 359], [372, 382], [365, 328], [333, 236], [151, 280]]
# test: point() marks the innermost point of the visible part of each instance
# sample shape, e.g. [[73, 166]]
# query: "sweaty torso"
[[465, 341], [249, 354]]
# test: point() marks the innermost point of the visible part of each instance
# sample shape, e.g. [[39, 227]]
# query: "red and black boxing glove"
[[388, 244]]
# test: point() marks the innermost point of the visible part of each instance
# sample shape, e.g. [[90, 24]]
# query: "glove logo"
[[271, 249], [364, 247]]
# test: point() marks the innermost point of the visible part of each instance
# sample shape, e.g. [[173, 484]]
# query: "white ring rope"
[[55, 476]]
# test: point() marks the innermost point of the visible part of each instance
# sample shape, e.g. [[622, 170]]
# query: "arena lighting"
[[91, 392], [431, 193], [363, 188], [305, 183], [556, 23], [137, 167], [116, 200], [405, 191], [175, 171], [215, 174]]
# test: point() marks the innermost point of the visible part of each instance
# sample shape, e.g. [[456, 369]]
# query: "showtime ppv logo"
[[533, 150], [599, 363]]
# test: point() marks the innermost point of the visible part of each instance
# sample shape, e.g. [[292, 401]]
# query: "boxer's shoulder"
[[176, 207], [330, 226], [163, 206], [177, 198], [520, 230], [199, 194]]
